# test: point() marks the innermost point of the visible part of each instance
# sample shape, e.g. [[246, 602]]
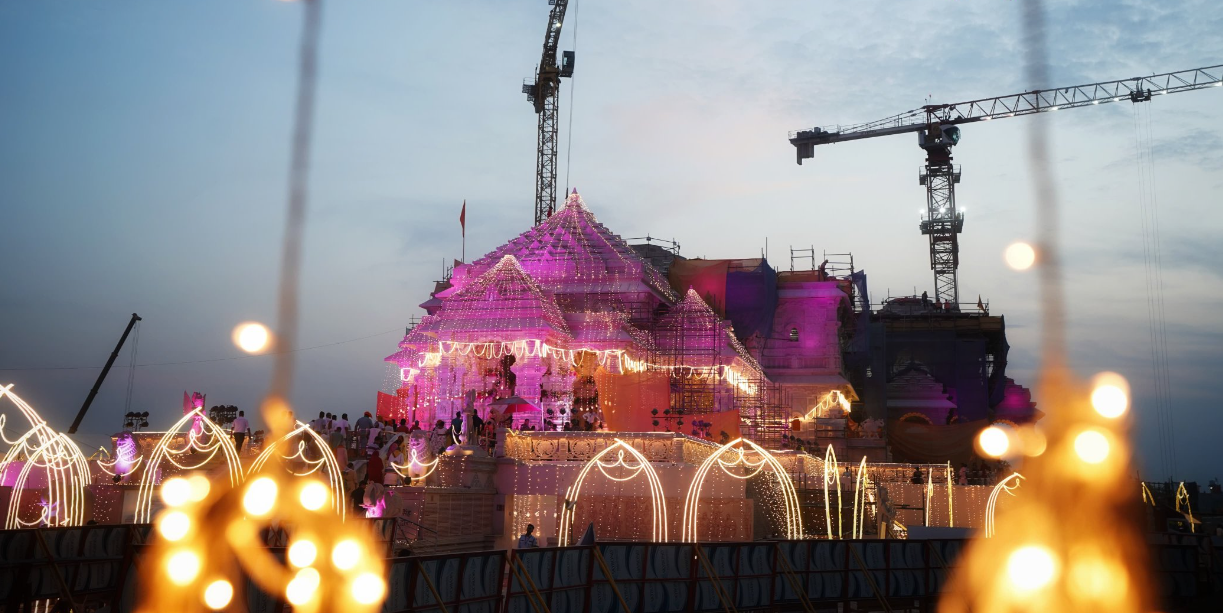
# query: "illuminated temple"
[[572, 319]]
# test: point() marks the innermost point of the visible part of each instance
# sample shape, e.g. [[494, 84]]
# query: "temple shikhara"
[[571, 320]]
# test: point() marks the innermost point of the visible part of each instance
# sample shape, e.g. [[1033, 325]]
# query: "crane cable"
[[569, 137], [1156, 321]]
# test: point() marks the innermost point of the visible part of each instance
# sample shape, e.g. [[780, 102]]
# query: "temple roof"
[[418, 340], [914, 388], [607, 330], [503, 304], [693, 330], [571, 252]]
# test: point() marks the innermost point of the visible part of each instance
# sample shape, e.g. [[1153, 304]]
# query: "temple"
[[576, 324]]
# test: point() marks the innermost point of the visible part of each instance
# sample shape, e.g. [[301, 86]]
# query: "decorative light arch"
[[326, 461], [65, 466], [210, 439], [993, 500], [657, 500], [861, 482], [830, 475], [793, 513], [915, 417]]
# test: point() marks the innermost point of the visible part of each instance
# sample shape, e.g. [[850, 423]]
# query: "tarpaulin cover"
[[626, 400], [926, 443], [751, 297], [743, 291], [392, 407], [707, 277]]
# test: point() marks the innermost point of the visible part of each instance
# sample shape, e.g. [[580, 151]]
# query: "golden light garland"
[[657, 497], [992, 504], [211, 439], [66, 469], [950, 496], [1182, 496], [831, 399], [790, 504], [326, 460], [416, 469]]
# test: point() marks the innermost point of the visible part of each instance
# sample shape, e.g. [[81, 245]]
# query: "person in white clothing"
[[240, 428]]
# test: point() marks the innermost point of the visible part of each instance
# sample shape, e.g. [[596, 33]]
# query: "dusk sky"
[[144, 153]]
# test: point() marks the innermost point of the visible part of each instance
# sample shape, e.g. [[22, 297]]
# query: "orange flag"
[[463, 218]]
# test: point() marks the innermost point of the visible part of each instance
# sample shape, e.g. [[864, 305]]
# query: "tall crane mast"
[[937, 132], [543, 95]]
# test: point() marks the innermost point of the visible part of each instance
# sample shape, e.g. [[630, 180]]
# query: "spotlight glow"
[[218, 594], [346, 554], [1020, 256], [1030, 568], [1091, 446], [252, 337], [174, 525], [993, 441], [260, 497], [182, 567], [368, 588]]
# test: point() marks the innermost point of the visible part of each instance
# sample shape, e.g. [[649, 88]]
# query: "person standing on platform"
[[374, 467], [963, 474], [241, 427], [527, 540]]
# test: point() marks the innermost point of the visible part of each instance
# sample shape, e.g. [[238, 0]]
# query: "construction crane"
[[542, 94], [76, 423], [937, 132]]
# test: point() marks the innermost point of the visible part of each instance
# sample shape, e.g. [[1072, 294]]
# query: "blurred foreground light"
[[175, 492], [260, 496], [1091, 446], [174, 525], [1032, 441], [301, 589], [1020, 256], [1110, 394], [199, 487], [993, 441], [314, 496], [302, 553], [182, 567], [346, 554], [1097, 578], [368, 588], [1030, 568], [218, 594], [252, 337]]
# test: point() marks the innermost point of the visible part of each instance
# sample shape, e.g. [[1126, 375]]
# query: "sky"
[[144, 153]]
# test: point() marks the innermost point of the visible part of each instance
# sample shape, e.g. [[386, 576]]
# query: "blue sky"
[[144, 152]]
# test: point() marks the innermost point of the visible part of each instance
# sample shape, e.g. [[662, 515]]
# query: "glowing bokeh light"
[[175, 492], [1110, 395], [314, 496], [346, 554], [1091, 446], [199, 487], [368, 588], [301, 589], [182, 567], [252, 337], [1030, 568], [218, 594], [1097, 578], [993, 441], [260, 497], [174, 525], [1020, 256], [302, 553]]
